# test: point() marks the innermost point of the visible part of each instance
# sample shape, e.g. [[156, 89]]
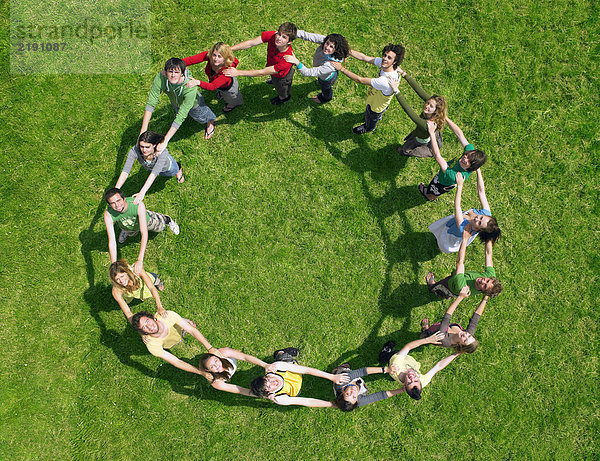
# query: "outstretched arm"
[[488, 254], [234, 72], [431, 127], [176, 362], [458, 214], [441, 365], [481, 191], [362, 57], [303, 401], [349, 74], [466, 291], [295, 368], [395, 392], [142, 193], [433, 339], [239, 355], [150, 284], [247, 44], [462, 251], [122, 304], [457, 131], [112, 241], [226, 387], [138, 266], [187, 326]]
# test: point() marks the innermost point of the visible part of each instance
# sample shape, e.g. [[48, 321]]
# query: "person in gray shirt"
[[158, 164]]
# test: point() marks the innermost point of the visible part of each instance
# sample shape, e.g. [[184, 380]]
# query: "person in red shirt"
[[218, 58], [281, 71]]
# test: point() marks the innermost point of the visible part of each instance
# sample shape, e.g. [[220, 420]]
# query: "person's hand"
[[395, 369], [191, 322], [160, 147], [401, 72], [162, 312], [272, 398], [436, 338], [466, 291], [394, 84], [192, 82], [336, 65], [292, 59], [270, 368], [146, 339], [230, 72], [138, 266], [460, 179], [138, 198], [431, 126], [341, 378]]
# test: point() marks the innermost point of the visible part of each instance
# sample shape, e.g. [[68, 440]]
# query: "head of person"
[[144, 323], [115, 199], [472, 160], [122, 277], [347, 400], [265, 385], [147, 143], [436, 110], [219, 368], [490, 286], [175, 69], [466, 343], [392, 55], [286, 33], [336, 45], [487, 226], [412, 384], [220, 55]]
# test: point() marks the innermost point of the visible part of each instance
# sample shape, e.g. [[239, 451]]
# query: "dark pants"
[[326, 86], [371, 118], [441, 289], [283, 85], [436, 188]]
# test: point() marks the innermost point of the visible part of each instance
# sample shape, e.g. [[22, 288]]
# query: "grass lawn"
[[295, 232]]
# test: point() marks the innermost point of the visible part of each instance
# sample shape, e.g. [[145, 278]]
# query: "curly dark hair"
[[342, 49]]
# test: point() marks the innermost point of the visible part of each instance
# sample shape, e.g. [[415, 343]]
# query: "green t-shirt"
[[129, 219], [448, 177], [458, 281]]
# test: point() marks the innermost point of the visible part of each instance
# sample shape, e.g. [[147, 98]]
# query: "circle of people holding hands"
[[281, 380]]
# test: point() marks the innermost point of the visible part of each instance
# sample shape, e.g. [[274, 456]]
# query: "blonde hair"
[[121, 266], [224, 50]]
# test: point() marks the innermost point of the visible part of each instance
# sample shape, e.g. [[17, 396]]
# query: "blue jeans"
[[371, 118], [326, 93], [173, 168], [200, 112]]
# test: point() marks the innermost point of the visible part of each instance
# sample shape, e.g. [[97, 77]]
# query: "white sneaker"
[[173, 226], [124, 235]]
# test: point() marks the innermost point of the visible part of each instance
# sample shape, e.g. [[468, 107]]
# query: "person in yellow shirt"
[[163, 332], [283, 385]]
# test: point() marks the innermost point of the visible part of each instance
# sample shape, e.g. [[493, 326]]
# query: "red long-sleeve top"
[[216, 80]]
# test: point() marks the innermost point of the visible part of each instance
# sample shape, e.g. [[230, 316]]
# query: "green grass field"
[[296, 232]]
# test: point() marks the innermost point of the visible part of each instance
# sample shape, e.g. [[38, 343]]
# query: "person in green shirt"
[[484, 282], [132, 219], [445, 180]]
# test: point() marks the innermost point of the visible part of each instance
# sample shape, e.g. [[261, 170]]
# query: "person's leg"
[[434, 189], [232, 96], [387, 352], [158, 283], [431, 330], [125, 234], [204, 115], [288, 354], [371, 119], [174, 167], [158, 221], [326, 86], [283, 86], [440, 288]]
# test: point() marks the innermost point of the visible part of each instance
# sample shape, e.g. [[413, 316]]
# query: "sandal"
[[316, 100], [180, 177], [430, 279], [424, 324], [208, 133], [423, 191], [228, 108]]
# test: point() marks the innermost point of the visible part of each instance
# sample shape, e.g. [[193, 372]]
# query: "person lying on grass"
[[184, 100], [334, 47], [448, 230], [283, 385], [127, 286], [485, 282], [445, 180], [218, 58], [161, 333], [418, 142], [406, 370], [454, 335], [157, 164], [132, 219]]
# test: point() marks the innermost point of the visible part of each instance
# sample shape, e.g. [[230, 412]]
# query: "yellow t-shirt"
[[143, 292], [292, 382], [156, 346], [405, 363]]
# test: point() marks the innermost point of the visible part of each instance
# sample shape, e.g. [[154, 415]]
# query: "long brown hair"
[[121, 266], [224, 375], [468, 348], [440, 114]]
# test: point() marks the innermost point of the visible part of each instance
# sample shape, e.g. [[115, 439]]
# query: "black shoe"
[[386, 350], [360, 129], [287, 354], [276, 101]]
